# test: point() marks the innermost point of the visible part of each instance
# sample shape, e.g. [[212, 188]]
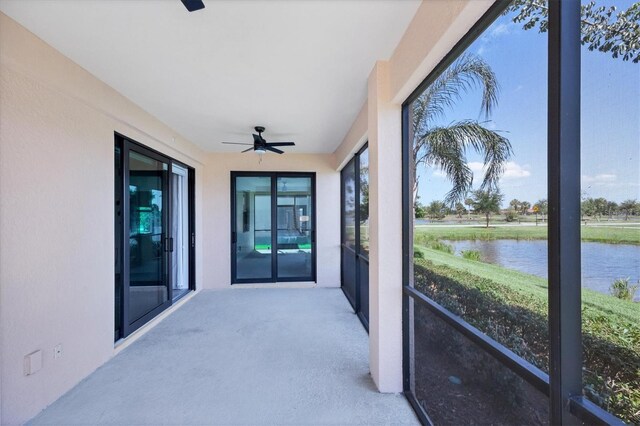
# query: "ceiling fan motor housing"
[[260, 145]]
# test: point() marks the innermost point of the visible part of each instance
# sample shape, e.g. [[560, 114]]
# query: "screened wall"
[[521, 241]]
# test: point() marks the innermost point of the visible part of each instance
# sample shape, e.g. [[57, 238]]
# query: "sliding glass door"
[[355, 233], [294, 233], [154, 235], [252, 234], [146, 248], [272, 227], [180, 273]]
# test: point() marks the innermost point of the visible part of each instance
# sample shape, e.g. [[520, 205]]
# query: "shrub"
[[622, 289], [418, 254], [471, 255], [511, 216], [611, 342], [440, 246]]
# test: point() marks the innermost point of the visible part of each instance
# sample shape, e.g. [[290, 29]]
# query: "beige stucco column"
[[385, 221]]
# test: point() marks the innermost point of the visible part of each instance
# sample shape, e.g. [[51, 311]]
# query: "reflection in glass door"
[[294, 227], [154, 236], [148, 283], [263, 202], [252, 234]]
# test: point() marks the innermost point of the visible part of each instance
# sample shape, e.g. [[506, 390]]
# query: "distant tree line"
[[598, 208], [489, 201]]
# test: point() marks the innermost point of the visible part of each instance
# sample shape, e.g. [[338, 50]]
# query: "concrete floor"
[[240, 356]]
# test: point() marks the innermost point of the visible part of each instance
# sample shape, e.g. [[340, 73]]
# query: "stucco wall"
[[56, 215], [217, 273], [56, 211], [435, 29]]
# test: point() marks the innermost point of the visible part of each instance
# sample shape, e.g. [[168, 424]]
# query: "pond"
[[601, 263]]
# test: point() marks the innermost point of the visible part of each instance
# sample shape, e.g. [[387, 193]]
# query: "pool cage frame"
[[563, 384]]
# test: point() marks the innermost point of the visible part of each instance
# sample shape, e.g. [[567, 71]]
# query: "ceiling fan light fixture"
[[260, 151]]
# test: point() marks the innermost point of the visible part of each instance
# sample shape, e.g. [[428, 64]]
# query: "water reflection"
[[601, 263]]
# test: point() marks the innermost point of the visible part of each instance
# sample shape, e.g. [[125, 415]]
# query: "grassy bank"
[[511, 307], [602, 234]]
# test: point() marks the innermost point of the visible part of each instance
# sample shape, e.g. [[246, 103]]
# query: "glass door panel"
[[295, 227], [179, 231], [348, 244], [252, 233], [363, 236], [148, 280], [355, 233]]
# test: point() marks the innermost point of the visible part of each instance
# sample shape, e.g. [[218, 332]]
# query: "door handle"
[[168, 244]]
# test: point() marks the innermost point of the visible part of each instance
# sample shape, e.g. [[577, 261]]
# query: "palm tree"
[[469, 203], [445, 147]]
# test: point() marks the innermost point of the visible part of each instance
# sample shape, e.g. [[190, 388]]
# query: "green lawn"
[[532, 285], [511, 307], [604, 234]]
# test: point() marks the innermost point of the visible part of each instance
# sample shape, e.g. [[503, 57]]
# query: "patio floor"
[[240, 356]]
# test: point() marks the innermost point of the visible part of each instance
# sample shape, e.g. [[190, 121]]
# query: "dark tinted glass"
[[147, 228]]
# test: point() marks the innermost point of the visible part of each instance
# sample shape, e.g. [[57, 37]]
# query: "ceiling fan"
[[193, 5], [260, 145]]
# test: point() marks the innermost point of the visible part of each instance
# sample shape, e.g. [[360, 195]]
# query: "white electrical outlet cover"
[[32, 363]]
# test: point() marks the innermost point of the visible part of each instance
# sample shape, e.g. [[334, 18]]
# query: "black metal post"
[[565, 369], [407, 208]]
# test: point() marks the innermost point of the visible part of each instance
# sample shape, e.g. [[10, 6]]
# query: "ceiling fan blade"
[[246, 150], [273, 149], [193, 5], [281, 143], [236, 143]]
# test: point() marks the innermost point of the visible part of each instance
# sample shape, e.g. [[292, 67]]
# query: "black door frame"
[[274, 227], [123, 251]]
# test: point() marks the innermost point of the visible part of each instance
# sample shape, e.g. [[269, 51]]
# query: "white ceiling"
[[299, 67]]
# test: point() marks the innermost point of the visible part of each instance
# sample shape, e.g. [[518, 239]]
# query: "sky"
[[610, 130]]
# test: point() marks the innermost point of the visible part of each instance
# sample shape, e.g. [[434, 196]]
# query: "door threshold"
[[277, 285], [125, 342]]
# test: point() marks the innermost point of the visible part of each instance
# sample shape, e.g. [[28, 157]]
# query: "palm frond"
[[468, 72], [446, 148]]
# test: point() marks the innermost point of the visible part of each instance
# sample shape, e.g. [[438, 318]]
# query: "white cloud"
[[487, 39], [512, 170], [599, 179], [476, 166], [501, 29]]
